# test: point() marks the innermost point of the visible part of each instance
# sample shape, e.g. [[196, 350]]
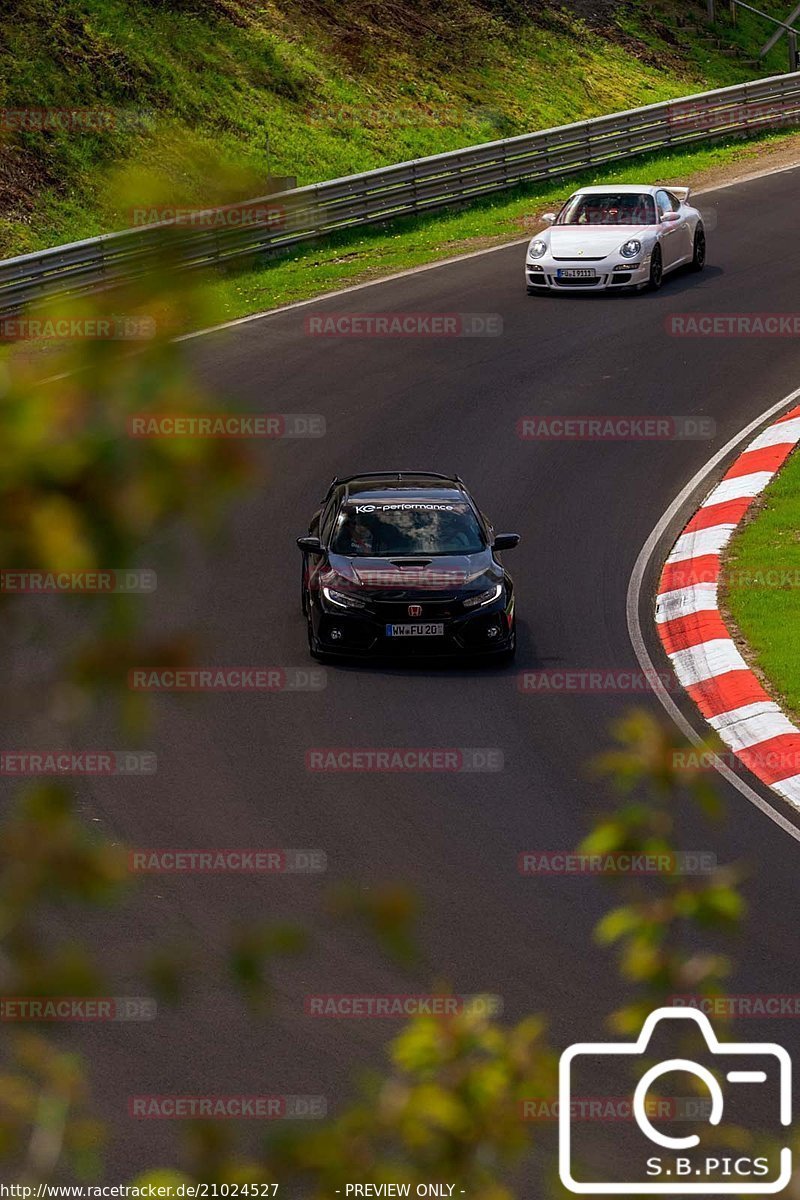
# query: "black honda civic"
[[404, 562]]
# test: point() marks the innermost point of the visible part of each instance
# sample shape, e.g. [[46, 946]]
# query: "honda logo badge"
[[415, 610]]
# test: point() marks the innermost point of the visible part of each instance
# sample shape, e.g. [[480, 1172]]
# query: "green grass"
[[199, 90], [765, 608]]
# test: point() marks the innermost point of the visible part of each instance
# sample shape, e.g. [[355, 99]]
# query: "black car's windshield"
[[609, 208], [389, 529]]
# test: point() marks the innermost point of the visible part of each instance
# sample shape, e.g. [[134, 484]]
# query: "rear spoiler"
[[682, 193]]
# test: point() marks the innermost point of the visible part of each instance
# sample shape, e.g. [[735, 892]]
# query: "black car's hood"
[[437, 576]]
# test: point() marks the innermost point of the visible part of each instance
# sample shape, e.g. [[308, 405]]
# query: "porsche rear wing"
[[682, 193]]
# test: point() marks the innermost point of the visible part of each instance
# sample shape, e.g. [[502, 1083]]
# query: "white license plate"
[[422, 630], [576, 273]]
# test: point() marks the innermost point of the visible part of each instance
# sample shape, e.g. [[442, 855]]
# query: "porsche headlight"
[[341, 599], [484, 598], [631, 248], [537, 249]]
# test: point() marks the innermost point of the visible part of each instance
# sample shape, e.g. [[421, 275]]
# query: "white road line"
[[759, 708], [755, 729], [777, 435], [700, 542], [706, 659], [685, 601], [789, 787], [741, 487]]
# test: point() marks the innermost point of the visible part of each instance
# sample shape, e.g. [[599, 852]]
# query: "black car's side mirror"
[[505, 541], [311, 545]]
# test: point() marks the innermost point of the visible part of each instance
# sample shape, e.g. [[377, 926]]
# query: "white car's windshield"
[[609, 208]]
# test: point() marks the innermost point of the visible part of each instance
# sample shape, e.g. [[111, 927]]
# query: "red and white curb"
[[703, 654]]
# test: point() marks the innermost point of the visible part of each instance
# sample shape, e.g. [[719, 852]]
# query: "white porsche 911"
[[623, 236]]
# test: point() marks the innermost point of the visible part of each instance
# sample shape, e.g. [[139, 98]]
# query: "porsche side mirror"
[[311, 545], [669, 218], [505, 541], [549, 217]]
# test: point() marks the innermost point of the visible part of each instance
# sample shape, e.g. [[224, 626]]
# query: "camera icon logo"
[[690, 1163]]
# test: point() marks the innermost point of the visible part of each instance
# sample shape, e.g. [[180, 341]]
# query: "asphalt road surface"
[[232, 767]]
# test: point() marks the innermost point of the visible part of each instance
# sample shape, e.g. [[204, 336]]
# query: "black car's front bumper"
[[362, 632]]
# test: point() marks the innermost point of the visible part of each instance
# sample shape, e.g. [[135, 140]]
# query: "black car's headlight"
[[342, 599], [537, 249], [631, 248], [484, 598]]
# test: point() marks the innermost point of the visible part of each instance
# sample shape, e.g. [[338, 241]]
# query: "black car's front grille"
[[396, 610]]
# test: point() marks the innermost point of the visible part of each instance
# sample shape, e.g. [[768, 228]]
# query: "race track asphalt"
[[231, 767]]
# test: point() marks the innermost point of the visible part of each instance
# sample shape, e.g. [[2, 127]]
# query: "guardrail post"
[[791, 37], [711, 13], [733, 11]]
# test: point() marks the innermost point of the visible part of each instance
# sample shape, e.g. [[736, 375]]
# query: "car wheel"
[[303, 601], [656, 270], [699, 256]]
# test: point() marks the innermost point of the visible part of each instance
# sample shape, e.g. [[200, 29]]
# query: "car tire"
[[699, 253], [656, 270]]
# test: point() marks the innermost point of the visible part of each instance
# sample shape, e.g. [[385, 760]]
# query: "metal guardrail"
[[423, 185]]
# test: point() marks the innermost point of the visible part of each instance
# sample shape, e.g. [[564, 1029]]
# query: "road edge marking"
[[634, 601], [695, 636]]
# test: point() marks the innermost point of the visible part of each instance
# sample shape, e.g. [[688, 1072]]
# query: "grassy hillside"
[[206, 97]]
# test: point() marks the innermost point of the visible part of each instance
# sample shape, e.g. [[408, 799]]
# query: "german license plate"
[[421, 630], [576, 273]]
